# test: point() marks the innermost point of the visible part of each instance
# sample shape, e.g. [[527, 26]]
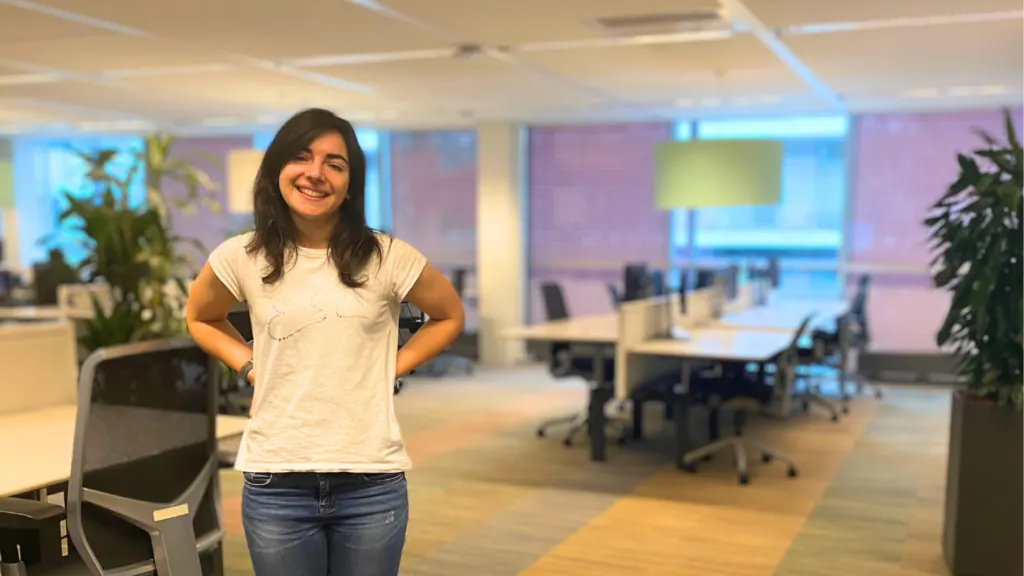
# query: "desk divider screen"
[[641, 320], [40, 366]]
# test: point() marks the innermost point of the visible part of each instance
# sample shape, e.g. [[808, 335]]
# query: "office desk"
[[720, 344], [596, 329], [601, 331], [785, 315], [35, 313], [36, 446]]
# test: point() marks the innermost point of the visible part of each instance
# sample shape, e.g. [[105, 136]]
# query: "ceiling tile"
[[982, 53], [262, 29], [105, 51], [792, 12], [504, 22]]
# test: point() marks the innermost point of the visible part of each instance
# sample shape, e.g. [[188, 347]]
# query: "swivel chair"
[[744, 393], [142, 494]]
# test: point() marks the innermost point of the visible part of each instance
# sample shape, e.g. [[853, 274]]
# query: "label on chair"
[[172, 512]]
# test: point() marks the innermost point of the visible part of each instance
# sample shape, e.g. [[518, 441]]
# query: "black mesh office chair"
[[142, 494], [568, 360]]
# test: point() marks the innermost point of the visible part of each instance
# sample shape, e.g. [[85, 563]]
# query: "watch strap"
[[246, 368]]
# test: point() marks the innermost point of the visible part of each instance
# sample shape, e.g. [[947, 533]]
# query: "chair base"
[[580, 421], [808, 398], [739, 448]]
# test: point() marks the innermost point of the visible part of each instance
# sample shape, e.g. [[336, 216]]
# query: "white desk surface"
[[785, 315], [597, 329], [719, 344], [28, 313], [36, 446]]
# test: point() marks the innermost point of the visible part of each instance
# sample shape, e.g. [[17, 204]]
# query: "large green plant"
[[132, 249], [976, 235]]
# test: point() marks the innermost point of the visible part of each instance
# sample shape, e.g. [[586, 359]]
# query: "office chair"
[[826, 352], [236, 394], [744, 393], [569, 361], [615, 294], [142, 495]]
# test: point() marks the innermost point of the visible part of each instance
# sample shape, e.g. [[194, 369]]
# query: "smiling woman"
[[323, 458]]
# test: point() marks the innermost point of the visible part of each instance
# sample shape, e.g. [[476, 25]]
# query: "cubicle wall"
[[40, 366]]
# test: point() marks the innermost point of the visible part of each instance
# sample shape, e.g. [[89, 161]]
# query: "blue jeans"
[[340, 524]]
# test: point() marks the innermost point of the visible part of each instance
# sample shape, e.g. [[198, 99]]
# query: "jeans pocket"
[[380, 479], [257, 479]]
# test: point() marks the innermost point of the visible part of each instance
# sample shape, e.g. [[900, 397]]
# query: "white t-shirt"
[[324, 356]]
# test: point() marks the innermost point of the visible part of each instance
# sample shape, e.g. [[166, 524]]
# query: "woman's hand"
[[251, 377]]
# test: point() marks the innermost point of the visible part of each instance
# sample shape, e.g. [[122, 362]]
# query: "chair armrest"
[[32, 526]]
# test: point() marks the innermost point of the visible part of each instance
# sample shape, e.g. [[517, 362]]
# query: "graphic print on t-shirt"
[[288, 320]]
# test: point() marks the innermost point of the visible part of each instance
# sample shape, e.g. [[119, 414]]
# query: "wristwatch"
[[245, 369]]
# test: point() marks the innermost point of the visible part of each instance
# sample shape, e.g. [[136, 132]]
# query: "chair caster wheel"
[[691, 468], [806, 407], [878, 394], [707, 458], [791, 473], [540, 433], [744, 479], [846, 409], [622, 440], [766, 458], [567, 443]]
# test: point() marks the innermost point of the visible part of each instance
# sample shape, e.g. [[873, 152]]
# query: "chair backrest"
[[788, 359], [459, 281], [143, 481], [615, 294], [239, 318], [554, 301]]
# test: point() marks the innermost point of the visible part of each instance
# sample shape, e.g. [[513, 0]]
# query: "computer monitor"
[[636, 282], [705, 279], [732, 282], [657, 283]]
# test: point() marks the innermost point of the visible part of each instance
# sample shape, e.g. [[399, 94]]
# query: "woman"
[[322, 457]]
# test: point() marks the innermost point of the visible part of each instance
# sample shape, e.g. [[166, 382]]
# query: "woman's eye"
[[337, 167]]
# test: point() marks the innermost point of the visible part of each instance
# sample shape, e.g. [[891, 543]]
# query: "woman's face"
[[314, 184]]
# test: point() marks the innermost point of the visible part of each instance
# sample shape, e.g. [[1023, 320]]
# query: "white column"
[[501, 241], [11, 256]]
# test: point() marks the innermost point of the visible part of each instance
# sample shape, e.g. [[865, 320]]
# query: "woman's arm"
[[436, 297], [206, 316]]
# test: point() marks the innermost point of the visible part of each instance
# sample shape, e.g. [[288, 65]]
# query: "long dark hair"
[[352, 244]]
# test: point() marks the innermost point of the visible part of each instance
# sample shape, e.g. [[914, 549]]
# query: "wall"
[[902, 164], [433, 194], [591, 194], [208, 154]]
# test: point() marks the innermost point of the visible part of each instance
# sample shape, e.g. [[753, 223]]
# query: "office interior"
[[589, 420]]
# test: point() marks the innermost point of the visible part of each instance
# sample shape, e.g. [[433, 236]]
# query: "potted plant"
[[976, 235], [131, 248]]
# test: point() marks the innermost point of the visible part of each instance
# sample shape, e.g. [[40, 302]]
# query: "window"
[[369, 141], [805, 230], [46, 169]]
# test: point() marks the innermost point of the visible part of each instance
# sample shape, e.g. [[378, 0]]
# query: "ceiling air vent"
[[664, 23]]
